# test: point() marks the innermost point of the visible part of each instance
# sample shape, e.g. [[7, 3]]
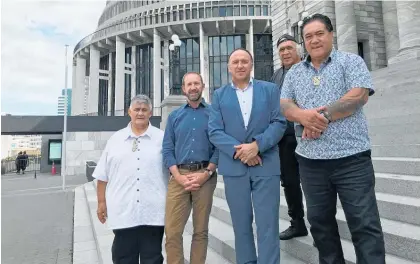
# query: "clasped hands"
[[248, 154], [193, 181], [313, 122]]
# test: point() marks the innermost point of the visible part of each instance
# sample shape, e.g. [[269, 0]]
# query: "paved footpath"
[[37, 219]]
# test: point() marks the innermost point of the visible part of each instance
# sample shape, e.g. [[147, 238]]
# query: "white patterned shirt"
[[341, 72], [137, 180]]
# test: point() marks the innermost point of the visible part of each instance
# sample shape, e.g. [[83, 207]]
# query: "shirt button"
[[138, 179], [137, 189], [194, 118], [192, 150], [138, 158], [193, 139], [137, 200], [138, 169], [193, 128]]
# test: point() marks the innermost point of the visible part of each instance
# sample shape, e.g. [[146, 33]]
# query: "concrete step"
[[395, 136], [212, 256], [300, 248], [397, 165], [407, 68], [396, 150], [394, 118], [221, 240], [389, 89], [383, 105], [403, 185]]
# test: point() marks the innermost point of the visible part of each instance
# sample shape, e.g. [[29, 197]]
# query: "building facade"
[[60, 103], [382, 32], [130, 53]]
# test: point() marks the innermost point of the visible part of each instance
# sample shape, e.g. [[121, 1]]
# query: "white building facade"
[[130, 51]]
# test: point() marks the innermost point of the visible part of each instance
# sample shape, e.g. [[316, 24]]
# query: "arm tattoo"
[[347, 105], [286, 105]]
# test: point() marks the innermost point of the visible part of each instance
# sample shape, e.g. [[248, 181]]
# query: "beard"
[[194, 97]]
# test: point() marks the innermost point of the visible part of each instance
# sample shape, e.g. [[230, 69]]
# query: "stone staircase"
[[394, 123]]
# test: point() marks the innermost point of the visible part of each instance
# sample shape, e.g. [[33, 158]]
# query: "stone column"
[[133, 71], [166, 66], [204, 63], [250, 42], [110, 102], [409, 29], [93, 81], [346, 26], [74, 93], [119, 76], [78, 99], [392, 43], [157, 100]]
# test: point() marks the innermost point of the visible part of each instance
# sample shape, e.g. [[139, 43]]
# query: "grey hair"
[[299, 49], [142, 99]]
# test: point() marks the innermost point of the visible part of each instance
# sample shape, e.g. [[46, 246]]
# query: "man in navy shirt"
[[192, 161]]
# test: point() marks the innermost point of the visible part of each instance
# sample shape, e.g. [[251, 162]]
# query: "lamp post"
[[64, 141], [174, 48]]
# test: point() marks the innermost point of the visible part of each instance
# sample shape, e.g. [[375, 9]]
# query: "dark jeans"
[[353, 179], [143, 241], [290, 179]]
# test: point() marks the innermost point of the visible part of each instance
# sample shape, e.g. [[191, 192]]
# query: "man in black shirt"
[[290, 180]]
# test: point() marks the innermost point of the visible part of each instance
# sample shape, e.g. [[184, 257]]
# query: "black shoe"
[[292, 232]]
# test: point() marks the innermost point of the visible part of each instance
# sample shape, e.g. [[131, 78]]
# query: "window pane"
[[181, 14], [216, 75], [156, 19], [243, 11], [251, 11], [229, 11], [201, 12], [237, 42], [189, 48], [187, 14], [216, 48], [182, 49], [196, 48], [230, 44], [208, 12], [174, 15], [223, 46], [168, 17], [265, 10], [215, 11], [224, 73], [162, 18], [222, 11], [236, 11], [258, 10], [194, 14], [211, 46]]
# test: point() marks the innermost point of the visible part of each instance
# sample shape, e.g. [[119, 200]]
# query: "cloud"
[[32, 50]]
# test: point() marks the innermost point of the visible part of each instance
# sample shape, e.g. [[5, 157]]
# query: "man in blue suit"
[[245, 124]]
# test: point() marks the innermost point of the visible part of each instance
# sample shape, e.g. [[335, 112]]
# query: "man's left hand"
[[199, 177], [245, 152]]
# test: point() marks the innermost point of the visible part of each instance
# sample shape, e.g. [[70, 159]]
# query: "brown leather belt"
[[194, 166]]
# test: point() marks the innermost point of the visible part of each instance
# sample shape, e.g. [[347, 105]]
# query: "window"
[[113, 85], [187, 14], [174, 16], [194, 13], [215, 11], [265, 10], [127, 92], [181, 14], [219, 49], [258, 10], [103, 88], [208, 12], [236, 11], [222, 11], [144, 70], [250, 11], [263, 57], [243, 11], [229, 11], [128, 55], [168, 17], [182, 60], [201, 12]]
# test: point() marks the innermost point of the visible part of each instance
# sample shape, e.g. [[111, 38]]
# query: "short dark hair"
[[247, 51], [318, 17], [188, 73]]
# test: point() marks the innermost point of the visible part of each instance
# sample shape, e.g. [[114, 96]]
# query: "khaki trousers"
[[178, 208]]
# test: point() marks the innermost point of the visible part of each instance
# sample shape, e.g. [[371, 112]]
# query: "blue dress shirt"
[[186, 137]]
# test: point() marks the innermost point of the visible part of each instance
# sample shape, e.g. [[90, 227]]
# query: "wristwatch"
[[326, 115], [210, 172]]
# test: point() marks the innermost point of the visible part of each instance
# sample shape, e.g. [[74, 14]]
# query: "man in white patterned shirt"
[[132, 186]]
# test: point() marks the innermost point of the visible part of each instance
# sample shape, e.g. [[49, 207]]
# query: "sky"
[[33, 38]]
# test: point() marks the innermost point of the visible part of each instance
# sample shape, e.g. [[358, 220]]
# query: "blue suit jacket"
[[266, 126]]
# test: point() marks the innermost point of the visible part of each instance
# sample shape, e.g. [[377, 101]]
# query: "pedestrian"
[[245, 124], [289, 53], [18, 162], [132, 185], [325, 93], [192, 161]]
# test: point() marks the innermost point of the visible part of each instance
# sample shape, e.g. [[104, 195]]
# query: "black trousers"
[[140, 242], [353, 179], [290, 178]]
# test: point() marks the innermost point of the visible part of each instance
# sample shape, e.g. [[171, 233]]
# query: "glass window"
[[168, 17], [187, 14], [215, 11], [243, 11], [156, 19], [150, 20], [194, 13], [162, 18], [229, 11], [127, 92], [222, 11], [103, 98], [236, 11], [263, 56], [128, 55], [258, 10], [251, 11], [201, 12], [223, 45], [144, 70], [174, 16], [208, 12], [265, 10], [230, 44], [181, 14]]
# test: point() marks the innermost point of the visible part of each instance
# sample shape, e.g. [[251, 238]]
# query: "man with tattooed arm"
[[325, 94]]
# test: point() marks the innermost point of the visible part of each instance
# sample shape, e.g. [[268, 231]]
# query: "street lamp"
[[174, 48]]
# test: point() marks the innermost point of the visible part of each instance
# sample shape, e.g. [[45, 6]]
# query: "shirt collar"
[[250, 84], [202, 103], [330, 57], [130, 134]]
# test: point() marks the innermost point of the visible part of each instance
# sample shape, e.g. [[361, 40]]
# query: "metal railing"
[[8, 166]]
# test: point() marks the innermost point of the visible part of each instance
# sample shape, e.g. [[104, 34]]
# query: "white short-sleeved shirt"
[[137, 180]]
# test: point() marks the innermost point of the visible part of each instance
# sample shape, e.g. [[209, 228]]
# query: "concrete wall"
[[44, 166], [82, 147], [370, 31]]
